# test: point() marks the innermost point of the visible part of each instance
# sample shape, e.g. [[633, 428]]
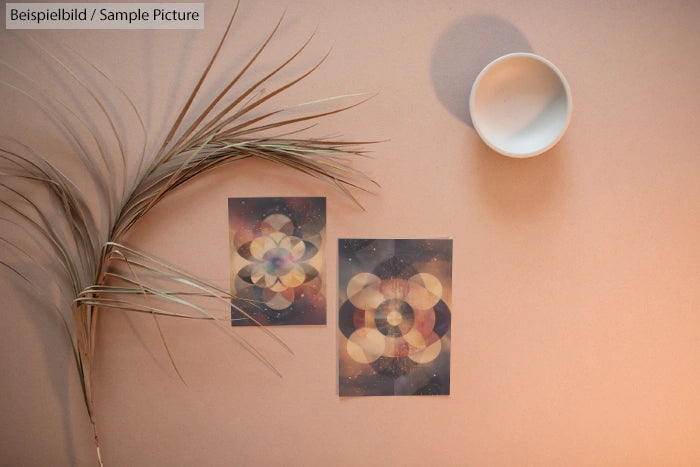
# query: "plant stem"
[[97, 443]]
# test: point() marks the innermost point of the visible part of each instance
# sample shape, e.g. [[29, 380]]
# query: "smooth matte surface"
[[576, 325]]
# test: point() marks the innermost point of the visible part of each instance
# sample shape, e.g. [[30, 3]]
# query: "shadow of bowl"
[[463, 50]]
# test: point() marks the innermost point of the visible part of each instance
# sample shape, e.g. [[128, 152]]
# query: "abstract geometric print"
[[277, 261], [394, 317]]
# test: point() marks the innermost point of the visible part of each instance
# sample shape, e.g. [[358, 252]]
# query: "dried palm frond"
[[89, 246]]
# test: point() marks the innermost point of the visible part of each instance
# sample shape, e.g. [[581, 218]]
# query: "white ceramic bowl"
[[520, 105]]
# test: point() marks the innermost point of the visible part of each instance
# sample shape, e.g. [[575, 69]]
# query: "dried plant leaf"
[[102, 271]]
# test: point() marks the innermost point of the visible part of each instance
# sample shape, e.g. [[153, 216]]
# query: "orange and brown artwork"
[[277, 261], [394, 318]]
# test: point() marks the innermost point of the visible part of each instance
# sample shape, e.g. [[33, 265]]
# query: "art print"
[[277, 261], [394, 318]]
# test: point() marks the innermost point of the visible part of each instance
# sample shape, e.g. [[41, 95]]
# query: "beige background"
[[576, 317]]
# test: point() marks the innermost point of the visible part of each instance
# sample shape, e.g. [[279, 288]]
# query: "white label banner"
[[104, 15]]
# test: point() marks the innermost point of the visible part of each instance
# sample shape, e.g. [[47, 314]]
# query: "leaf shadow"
[[57, 362]]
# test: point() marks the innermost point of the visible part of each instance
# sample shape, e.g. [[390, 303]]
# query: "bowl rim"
[[563, 81]]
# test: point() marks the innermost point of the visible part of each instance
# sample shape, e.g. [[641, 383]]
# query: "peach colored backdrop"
[[576, 301]]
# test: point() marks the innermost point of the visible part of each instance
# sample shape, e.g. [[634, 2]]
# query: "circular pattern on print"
[[394, 324], [394, 317], [277, 259]]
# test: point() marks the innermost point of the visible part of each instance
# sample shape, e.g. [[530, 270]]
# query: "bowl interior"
[[520, 105]]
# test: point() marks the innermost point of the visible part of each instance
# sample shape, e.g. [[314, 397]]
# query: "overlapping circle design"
[[277, 260], [394, 324]]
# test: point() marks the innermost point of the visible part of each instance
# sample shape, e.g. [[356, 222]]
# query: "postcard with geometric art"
[[277, 261], [394, 317]]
